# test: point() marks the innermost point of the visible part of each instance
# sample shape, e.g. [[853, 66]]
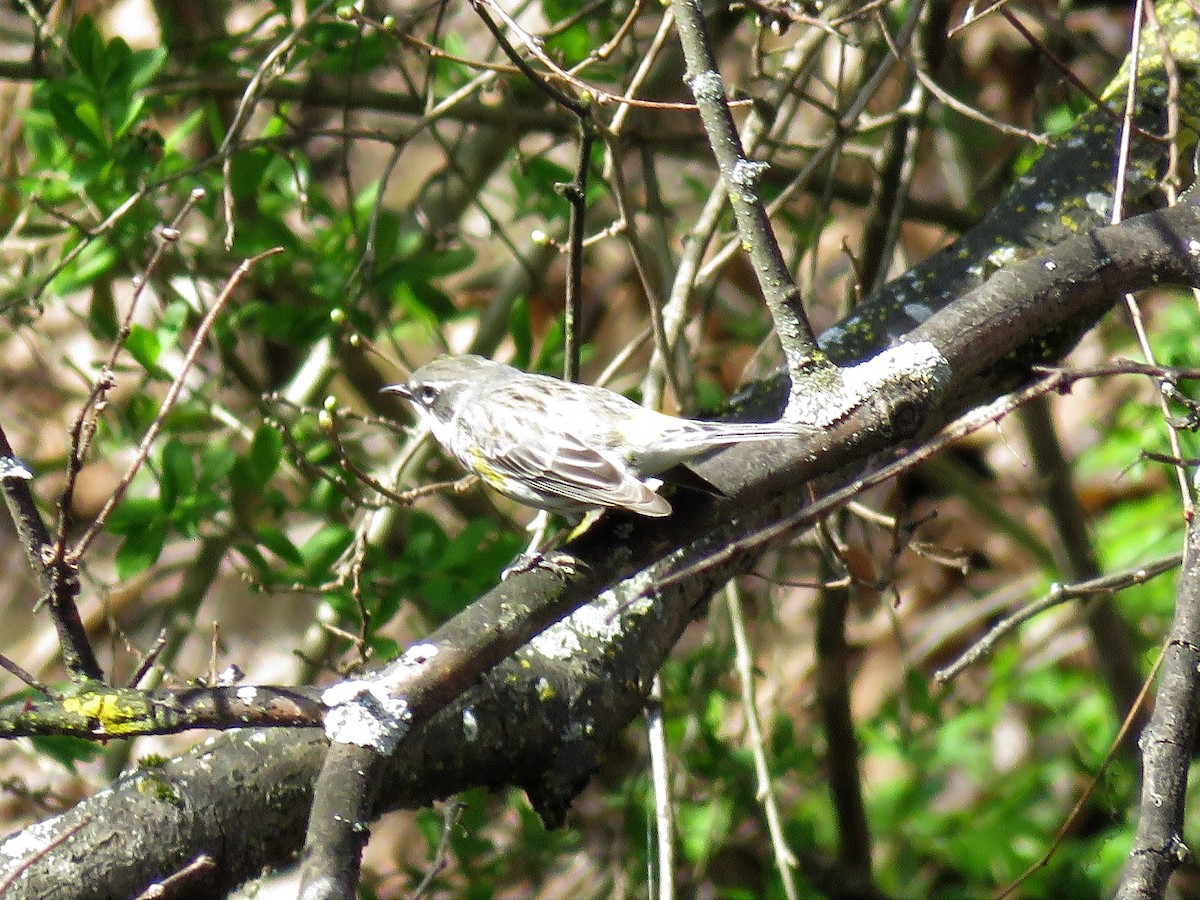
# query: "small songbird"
[[560, 446]]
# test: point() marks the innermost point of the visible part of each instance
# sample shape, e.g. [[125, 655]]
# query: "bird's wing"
[[577, 472]]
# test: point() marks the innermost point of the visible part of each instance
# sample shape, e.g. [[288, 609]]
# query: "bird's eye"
[[427, 394]]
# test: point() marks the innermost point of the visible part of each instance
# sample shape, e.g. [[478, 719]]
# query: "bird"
[[560, 446]]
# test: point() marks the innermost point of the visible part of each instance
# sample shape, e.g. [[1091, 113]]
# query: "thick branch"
[[59, 590], [763, 484], [1167, 743]]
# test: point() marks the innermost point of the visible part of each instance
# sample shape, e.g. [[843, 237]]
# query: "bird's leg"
[[537, 528], [538, 552]]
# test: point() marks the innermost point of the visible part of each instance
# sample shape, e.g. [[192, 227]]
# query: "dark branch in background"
[[898, 157], [1113, 642], [575, 192], [628, 228], [1167, 743], [841, 743]]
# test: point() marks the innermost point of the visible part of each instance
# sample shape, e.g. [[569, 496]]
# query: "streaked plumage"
[[560, 446]]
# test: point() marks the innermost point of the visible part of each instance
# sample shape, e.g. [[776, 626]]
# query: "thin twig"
[[1105, 585], [785, 859], [1073, 815], [575, 193], [1131, 304], [86, 421], [169, 400], [14, 669], [266, 72], [664, 810]]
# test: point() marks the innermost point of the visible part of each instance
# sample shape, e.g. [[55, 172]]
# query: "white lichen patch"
[[708, 87], [1099, 203], [831, 337], [417, 655], [374, 712], [918, 312], [830, 394], [557, 642], [28, 842], [599, 621], [743, 178], [370, 718], [1001, 256], [11, 467]]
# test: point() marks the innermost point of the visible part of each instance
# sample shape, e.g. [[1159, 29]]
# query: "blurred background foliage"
[[414, 182]]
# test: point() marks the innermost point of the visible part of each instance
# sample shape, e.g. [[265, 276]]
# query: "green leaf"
[[141, 550], [87, 47], [114, 69], [178, 472], [703, 826], [520, 328], [140, 412], [425, 303], [324, 548], [216, 462], [278, 543], [66, 117], [66, 750], [131, 116], [427, 266], [384, 647], [95, 260], [181, 132], [87, 113], [256, 559], [133, 514], [143, 65], [102, 312], [144, 346], [265, 452], [246, 172]]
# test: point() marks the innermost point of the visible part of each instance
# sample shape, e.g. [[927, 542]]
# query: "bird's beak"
[[402, 389]]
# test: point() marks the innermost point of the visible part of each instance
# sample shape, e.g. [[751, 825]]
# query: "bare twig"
[[664, 809], [85, 423], [168, 403], [1105, 585], [1073, 815], [170, 886], [785, 859]]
